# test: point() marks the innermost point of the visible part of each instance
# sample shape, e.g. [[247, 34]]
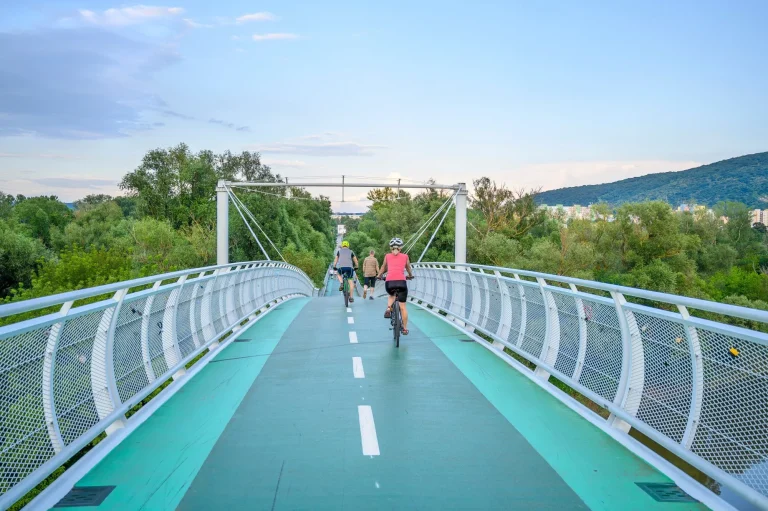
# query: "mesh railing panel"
[[24, 441], [62, 375], [570, 326], [701, 386]]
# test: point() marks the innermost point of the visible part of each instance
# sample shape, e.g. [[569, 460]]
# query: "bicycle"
[[345, 287], [395, 320]]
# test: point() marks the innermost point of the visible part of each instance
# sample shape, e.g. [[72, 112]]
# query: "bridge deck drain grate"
[[85, 496], [666, 492]]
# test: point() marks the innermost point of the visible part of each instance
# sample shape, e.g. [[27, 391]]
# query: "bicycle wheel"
[[346, 292], [396, 322]]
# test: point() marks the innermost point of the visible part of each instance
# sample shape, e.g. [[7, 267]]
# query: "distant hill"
[[742, 179]]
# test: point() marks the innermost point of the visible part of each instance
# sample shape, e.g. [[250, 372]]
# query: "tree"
[[19, 258], [513, 212], [92, 200], [40, 215]]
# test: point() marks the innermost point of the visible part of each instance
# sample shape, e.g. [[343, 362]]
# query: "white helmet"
[[395, 242]]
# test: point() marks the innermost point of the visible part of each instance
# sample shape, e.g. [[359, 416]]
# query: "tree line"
[[647, 245], [166, 221]]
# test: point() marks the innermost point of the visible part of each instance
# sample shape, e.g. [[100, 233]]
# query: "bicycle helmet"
[[345, 244], [395, 242]]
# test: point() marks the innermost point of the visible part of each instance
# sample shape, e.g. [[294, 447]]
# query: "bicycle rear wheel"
[[396, 322], [346, 293]]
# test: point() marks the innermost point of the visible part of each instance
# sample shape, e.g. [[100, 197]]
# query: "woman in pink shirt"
[[395, 265]]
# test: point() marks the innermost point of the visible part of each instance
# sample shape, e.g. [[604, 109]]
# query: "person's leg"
[[404, 315]]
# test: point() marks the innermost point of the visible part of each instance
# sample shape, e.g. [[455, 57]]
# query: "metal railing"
[[697, 386], [69, 375]]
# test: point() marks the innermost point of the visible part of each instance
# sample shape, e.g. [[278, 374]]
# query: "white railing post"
[[103, 385], [523, 311], [551, 345], [146, 317], [630, 388], [171, 348], [49, 371], [697, 376], [505, 323], [582, 353]]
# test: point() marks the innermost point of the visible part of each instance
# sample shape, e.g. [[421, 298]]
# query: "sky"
[[537, 95]]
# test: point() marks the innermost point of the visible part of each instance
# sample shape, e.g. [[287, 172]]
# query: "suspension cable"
[[248, 212], [425, 224], [248, 225], [447, 210], [415, 238]]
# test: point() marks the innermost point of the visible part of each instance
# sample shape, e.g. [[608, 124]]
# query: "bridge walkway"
[[314, 408]]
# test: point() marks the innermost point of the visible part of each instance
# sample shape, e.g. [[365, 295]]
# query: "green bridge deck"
[[275, 422]]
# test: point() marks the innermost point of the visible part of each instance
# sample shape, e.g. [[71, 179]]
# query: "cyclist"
[[395, 265], [346, 262]]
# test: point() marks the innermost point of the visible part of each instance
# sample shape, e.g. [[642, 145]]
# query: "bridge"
[[242, 386]]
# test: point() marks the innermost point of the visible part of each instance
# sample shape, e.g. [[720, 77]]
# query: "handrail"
[[697, 387], [693, 303], [68, 376], [14, 308]]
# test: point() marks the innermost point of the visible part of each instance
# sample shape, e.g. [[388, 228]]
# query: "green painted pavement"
[[153, 467], [295, 441], [601, 471], [271, 425]]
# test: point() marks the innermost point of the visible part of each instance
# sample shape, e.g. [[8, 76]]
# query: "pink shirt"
[[396, 266]]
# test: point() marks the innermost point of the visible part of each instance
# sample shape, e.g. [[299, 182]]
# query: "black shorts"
[[370, 281], [399, 287], [347, 271]]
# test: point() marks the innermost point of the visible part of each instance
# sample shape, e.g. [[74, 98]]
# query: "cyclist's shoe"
[[388, 314], [341, 287], [405, 331], [351, 299]]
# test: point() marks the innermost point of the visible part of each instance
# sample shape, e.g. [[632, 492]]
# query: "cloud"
[[550, 176], [43, 156], [257, 16], [125, 16], [274, 37], [294, 164], [193, 24], [83, 83], [323, 149], [229, 125], [177, 115], [79, 183]]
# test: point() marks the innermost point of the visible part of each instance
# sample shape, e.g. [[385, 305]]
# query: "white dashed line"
[[368, 431], [349, 309], [357, 367], [353, 337], [351, 320]]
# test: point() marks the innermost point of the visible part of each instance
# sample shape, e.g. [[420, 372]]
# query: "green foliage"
[[40, 216], [743, 179], [645, 244], [76, 269], [166, 223], [19, 258]]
